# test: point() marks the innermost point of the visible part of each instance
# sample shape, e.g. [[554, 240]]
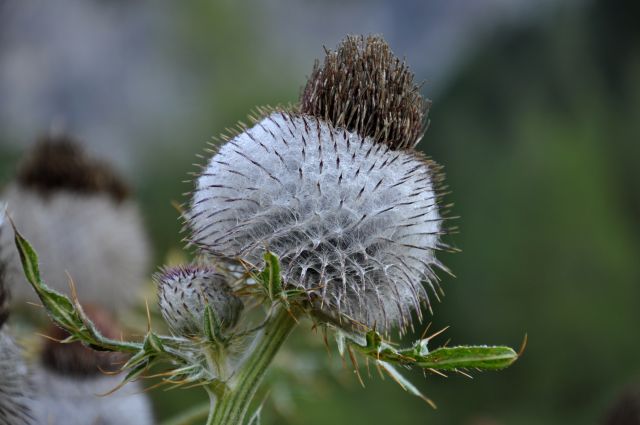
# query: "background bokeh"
[[535, 117]]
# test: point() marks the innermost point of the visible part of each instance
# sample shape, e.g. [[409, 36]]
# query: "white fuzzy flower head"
[[79, 217], [185, 291], [16, 392], [68, 400], [355, 224]]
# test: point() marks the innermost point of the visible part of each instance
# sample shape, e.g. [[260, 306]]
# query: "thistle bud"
[[77, 213], [365, 88], [184, 293], [355, 224]]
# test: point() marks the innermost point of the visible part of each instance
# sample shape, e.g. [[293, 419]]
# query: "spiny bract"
[[355, 224], [184, 293]]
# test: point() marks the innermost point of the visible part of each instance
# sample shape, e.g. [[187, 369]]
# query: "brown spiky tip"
[[76, 359], [365, 88], [59, 163]]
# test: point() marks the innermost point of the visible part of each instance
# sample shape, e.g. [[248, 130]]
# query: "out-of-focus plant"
[[322, 212]]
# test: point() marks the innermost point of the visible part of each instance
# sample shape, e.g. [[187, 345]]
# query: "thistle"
[[323, 212], [354, 223], [184, 293], [80, 214]]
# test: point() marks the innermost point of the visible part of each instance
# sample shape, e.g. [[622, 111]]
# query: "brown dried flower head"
[[365, 88], [59, 163]]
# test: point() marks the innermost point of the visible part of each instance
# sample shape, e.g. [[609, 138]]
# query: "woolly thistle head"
[[76, 212], [355, 224], [364, 88], [185, 291], [16, 392]]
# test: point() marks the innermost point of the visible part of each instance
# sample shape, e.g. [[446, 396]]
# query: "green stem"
[[232, 406]]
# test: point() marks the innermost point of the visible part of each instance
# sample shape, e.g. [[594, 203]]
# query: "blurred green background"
[[536, 117]]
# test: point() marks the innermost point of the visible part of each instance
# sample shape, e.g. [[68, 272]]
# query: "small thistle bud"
[[185, 291], [77, 214], [354, 223], [364, 88]]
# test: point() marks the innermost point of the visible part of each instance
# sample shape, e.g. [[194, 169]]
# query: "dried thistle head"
[[364, 88], [355, 224], [59, 163], [185, 291], [77, 213]]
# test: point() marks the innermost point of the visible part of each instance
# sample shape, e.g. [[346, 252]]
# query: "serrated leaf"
[[58, 305], [61, 308], [469, 357]]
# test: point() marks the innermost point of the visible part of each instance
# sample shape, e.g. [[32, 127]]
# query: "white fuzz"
[[64, 400], [16, 399], [185, 291], [354, 223], [100, 243]]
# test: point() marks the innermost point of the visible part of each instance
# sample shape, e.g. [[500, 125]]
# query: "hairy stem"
[[233, 405]]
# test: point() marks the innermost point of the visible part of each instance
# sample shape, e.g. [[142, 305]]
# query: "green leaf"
[[65, 312], [468, 357], [58, 305], [445, 358]]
